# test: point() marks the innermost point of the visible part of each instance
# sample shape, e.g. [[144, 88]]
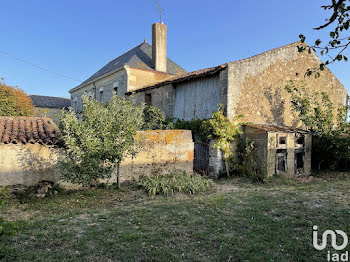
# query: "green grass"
[[236, 221]]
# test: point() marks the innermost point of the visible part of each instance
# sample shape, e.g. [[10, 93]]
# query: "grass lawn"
[[235, 221]]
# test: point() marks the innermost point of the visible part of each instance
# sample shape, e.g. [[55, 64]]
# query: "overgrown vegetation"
[[195, 125], [331, 132], [14, 102], [247, 163], [224, 131], [154, 118], [175, 182], [95, 145]]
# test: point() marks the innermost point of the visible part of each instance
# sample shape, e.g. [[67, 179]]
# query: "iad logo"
[[333, 235]]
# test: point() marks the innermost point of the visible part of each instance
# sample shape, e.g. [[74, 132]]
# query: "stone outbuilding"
[[284, 150]]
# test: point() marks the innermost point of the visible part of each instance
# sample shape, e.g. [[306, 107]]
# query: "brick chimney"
[[159, 56]]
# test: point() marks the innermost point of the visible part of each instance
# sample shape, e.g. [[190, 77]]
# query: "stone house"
[[254, 87], [49, 106], [143, 64]]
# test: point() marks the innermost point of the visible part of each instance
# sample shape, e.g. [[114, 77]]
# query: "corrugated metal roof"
[[50, 101], [33, 130], [140, 57]]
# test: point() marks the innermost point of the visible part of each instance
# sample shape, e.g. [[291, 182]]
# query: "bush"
[[182, 182], [14, 102], [153, 118], [97, 144], [195, 125], [247, 163]]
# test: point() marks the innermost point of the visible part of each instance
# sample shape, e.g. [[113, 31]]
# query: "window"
[[115, 87], [101, 94], [301, 140], [148, 99], [75, 106], [282, 140]]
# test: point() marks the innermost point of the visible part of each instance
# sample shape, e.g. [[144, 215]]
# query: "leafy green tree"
[[331, 132], [224, 131], [339, 37], [14, 102], [96, 145]]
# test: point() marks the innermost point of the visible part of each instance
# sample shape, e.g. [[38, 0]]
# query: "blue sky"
[[76, 38]]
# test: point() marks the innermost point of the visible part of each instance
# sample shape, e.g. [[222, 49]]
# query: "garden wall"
[[163, 151]]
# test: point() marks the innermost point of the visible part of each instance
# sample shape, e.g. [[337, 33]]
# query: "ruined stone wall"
[[27, 164], [256, 85], [163, 151]]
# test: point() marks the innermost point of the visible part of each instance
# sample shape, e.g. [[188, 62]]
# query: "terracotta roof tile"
[[182, 78], [275, 128], [33, 130]]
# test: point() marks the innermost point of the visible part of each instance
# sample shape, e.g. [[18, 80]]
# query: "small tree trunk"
[[227, 168], [118, 175]]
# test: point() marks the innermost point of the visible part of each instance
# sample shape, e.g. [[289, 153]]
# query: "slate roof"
[[33, 130], [139, 57], [50, 101], [275, 128], [182, 78]]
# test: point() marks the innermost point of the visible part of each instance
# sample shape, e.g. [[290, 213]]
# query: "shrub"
[[195, 125], [153, 118], [14, 102], [224, 131], [247, 162], [182, 182], [328, 124], [97, 144]]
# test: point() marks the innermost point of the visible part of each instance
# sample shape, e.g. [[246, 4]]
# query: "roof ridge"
[[267, 51], [52, 96]]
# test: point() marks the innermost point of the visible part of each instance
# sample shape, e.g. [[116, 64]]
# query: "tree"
[[154, 118], [14, 102], [339, 40], [96, 145], [331, 132], [224, 130]]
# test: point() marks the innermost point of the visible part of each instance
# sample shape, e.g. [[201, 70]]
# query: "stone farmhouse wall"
[[256, 85], [27, 164], [163, 151]]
